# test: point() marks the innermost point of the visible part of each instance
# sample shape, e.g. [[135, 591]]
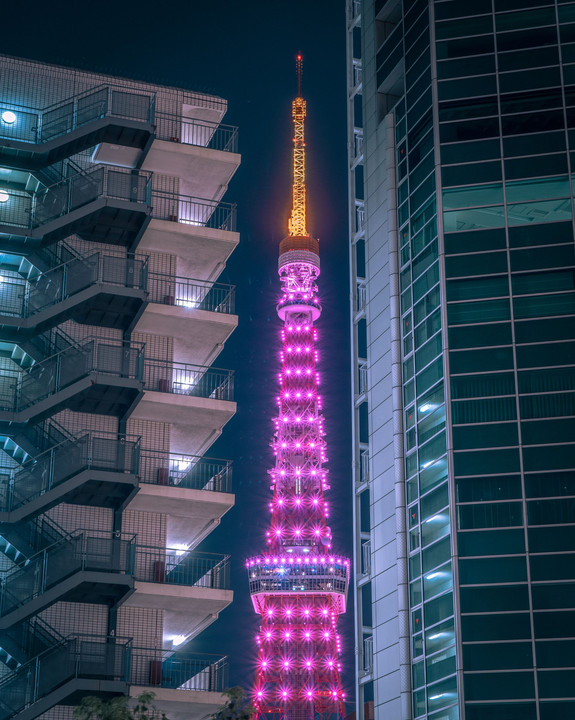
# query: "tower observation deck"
[[298, 584]]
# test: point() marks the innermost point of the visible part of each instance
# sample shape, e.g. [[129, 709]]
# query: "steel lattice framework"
[[298, 585]]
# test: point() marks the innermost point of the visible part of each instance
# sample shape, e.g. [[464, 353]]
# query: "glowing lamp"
[[4, 197], [8, 117]]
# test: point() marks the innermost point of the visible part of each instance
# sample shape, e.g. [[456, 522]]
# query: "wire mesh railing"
[[79, 656], [96, 451], [22, 210], [152, 667], [193, 211], [171, 566], [189, 293], [71, 554], [185, 471], [185, 379], [35, 125], [21, 390], [20, 298], [201, 133]]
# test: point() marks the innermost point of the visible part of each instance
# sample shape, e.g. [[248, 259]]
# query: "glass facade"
[[481, 98]]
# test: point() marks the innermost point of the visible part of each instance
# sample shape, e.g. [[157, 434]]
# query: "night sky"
[[244, 52]]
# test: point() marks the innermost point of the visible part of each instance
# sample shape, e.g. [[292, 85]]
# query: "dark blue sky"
[[244, 52]]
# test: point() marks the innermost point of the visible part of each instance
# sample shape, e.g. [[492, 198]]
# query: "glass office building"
[[461, 137]]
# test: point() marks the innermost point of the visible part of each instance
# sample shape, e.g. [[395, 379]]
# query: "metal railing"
[[360, 297], [152, 667], [35, 125], [362, 385], [71, 554], [23, 389], [99, 657], [31, 211], [171, 566], [367, 659], [185, 471], [366, 557], [77, 656], [96, 451], [359, 218], [26, 298], [193, 211], [364, 465], [201, 133], [191, 380], [193, 294]]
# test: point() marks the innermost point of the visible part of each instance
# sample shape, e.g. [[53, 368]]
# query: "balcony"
[[98, 290], [78, 665], [203, 154], [103, 205], [191, 588], [196, 400], [95, 376], [366, 557], [95, 469], [77, 568], [194, 492], [36, 138], [186, 686], [197, 314], [200, 233], [367, 655]]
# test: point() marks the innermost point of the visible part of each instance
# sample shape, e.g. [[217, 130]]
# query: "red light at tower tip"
[[298, 584]]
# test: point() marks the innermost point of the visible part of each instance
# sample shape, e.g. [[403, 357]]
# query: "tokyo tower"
[[298, 585]]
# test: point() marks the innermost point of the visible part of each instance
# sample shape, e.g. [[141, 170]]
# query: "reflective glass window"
[[483, 411], [500, 656], [509, 626], [438, 609], [471, 543], [502, 598], [486, 435], [472, 196], [499, 686], [469, 361], [472, 462], [439, 637], [489, 515], [463, 313]]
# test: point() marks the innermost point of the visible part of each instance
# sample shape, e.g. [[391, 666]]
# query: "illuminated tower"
[[298, 585]]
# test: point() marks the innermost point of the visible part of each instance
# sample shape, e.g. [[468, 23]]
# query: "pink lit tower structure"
[[298, 584]]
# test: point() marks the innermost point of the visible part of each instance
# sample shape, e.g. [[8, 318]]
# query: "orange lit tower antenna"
[[297, 226]]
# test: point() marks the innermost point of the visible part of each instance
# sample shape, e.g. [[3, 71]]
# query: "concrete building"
[[113, 233], [461, 120]]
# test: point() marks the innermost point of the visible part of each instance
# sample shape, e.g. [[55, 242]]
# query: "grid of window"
[[506, 89], [430, 570]]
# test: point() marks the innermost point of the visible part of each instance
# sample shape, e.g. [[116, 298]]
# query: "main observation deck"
[[298, 575]]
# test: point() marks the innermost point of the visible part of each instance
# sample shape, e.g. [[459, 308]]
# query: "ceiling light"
[[8, 117]]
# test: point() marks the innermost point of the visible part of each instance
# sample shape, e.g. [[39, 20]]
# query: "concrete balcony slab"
[[192, 514], [199, 335], [196, 422], [201, 251], [204, 172], [187, 609]]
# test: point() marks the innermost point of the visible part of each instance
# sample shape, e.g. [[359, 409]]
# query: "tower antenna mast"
[[297, 221]]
